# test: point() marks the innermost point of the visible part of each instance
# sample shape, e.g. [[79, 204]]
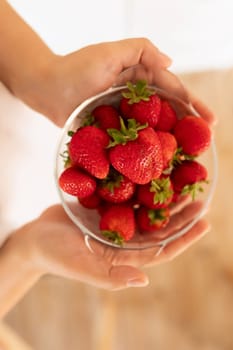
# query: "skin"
[[54, 85]]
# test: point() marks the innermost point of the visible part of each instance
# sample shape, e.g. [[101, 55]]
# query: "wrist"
[[18, 273], [19, 251], [42, 90]]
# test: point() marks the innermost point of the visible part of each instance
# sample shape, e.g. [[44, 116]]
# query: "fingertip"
[[167, 61], [128, 276], [205, 112], [135, 282]]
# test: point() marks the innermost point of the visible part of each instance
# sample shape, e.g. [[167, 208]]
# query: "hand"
[[54, 85], [57, 246], [66, 81]]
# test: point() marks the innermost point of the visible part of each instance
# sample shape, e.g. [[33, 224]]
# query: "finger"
[[118, 256], [183, 201], [139, 51], [203, 110], [126, 276], [178, 246], [149, 257], [179, 220], [107, 276], [55, 212], [169, 82], [133, 74], [141, 257]]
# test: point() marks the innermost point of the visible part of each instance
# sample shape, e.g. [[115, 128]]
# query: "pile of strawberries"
[[133, 161]]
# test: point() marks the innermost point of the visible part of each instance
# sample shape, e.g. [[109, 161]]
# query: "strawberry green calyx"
[[65, 155], [66, 159], [89, 119], [70, 133], [162, 189], [156, 215], [113, 236], [125, 134], [192, 189], [137, 92], [112, 180], [177, 159], [180, 156]]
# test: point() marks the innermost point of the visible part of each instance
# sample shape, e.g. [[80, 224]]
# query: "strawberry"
[[156, 194], [140, 159], [167, 117], [91, 202], [141, 103], [169, 147], [193, 135], [116, 188], [176, 197], [76, 182], [188, 177], [87, 149], [106, 116], [150, 220], [117, 223]]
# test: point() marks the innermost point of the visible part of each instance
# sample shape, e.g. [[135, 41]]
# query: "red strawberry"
[[150, 220], [102, 207], [141, 104], [176, 197], [156, 194], [77, 183], [106, 117], [87, 149], [118, 223], [193, 135], [141, 159], [91, 202], [169, 147], [116, 188], [188, 177], [167, 117]]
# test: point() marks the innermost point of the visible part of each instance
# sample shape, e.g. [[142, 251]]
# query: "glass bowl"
[[87, 219]]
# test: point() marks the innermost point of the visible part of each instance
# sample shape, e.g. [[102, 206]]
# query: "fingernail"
[[136, 282]]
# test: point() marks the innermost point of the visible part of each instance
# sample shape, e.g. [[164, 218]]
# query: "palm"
[[63, 250]]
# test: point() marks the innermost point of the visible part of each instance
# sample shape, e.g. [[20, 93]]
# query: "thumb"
[[125, 276]]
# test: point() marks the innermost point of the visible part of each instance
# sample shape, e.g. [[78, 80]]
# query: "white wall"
[[197, 34]]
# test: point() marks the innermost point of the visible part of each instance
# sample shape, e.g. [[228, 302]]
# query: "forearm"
[[24, 57], [17, 274], [22, 52]]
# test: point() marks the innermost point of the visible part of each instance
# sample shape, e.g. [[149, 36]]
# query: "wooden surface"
[[9, 340], [189, 302]]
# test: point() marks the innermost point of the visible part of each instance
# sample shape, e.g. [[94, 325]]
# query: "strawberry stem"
[[89, 119], [125, 134], [137, 92], [113, 236], [70, 133], [112, 180], [192, 189], [180, 156], [162, 189], [66, 158], [156, 215], [177, 159]]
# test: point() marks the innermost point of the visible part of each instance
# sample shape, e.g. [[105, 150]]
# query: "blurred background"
[[196, 34], [189, 303]]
